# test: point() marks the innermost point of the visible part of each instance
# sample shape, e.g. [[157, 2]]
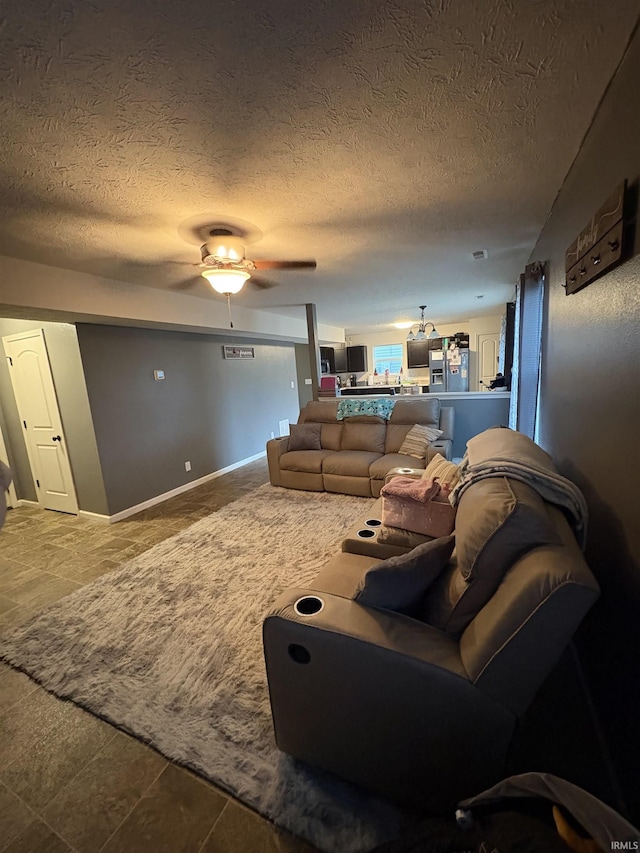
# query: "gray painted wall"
[[208, 410], [590, 412], [66, 367], [474, 415]]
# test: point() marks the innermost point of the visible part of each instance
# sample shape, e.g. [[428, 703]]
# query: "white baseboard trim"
[[94, 516], [186, 487], [82, 512]]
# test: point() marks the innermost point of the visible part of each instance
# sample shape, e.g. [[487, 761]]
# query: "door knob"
[[56, 438]]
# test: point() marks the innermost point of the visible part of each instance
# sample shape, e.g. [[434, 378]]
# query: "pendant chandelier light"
[[421, 334]]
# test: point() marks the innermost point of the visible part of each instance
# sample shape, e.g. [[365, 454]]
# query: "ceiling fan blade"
[[285, 265], [261, 283], [187, 284]]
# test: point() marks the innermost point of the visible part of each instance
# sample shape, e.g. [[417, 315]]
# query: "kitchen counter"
[[368, 392]]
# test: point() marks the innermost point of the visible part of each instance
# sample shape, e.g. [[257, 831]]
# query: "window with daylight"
[[528, 350], [388, 357]]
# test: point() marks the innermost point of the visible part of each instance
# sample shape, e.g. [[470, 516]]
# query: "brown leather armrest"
[[380, 699], [275, 448], [382, 628]]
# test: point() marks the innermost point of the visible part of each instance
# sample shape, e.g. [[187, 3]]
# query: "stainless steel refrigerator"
[[449, 370]]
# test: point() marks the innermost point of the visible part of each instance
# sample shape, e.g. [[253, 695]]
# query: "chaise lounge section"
[[417, 694], [355, 454]]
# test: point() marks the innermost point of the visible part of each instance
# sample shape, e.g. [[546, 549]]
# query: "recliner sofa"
[[423, 709], [357, 453]]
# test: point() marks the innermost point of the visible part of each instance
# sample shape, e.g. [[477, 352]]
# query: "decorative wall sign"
[[238, 352], [598, 247]]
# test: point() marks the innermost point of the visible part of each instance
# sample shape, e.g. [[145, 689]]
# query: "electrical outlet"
[[187, 466], [273, 435]]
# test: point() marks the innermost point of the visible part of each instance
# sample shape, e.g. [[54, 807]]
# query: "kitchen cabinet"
[[327, 354], [460, 339], [357, 359], [418, 353], [340, 356]]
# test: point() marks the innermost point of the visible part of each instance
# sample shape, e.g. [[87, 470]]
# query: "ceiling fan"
[[227, 269]]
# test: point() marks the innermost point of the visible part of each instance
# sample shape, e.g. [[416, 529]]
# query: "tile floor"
[[68, 780]]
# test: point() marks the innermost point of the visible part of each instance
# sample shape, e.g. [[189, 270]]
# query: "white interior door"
[[488, 358], [38, 409]]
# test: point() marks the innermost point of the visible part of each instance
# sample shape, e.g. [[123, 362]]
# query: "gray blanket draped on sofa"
[[505, 453]]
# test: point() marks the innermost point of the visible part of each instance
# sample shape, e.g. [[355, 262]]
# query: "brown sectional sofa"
[[422, 708], [357, 452]]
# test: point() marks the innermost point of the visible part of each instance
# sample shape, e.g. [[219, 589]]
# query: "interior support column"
[[314, 349]]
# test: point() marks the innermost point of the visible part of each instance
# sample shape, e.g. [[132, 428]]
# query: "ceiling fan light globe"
[[226, 281]]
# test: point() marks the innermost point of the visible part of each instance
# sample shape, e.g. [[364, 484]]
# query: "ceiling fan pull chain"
[[229, 307]]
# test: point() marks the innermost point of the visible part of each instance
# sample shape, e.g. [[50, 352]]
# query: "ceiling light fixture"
[[421, 334], [227, 270], [222, 248], [228, 281]]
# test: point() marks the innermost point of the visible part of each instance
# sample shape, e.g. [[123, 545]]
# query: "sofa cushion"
[[418, 439], [331, 436], [416, 411], [304, 437], [396, 434], [498, 520], [442, 470], [349, 463], [400, 583], [307, 461], [381, 467], [363, 436], [320, 411], [364, 419], [342, 574], [397, 536]]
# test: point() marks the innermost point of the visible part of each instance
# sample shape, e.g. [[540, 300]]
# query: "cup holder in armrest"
[[373, 522], [368, 533], [406, 470], [308, 605]]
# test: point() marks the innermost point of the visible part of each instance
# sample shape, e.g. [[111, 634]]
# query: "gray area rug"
[[169, 648]]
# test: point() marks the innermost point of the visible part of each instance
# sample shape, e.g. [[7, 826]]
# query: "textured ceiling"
[[388, 140]]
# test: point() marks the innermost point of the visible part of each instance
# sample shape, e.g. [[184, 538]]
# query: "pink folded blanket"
[[420, 490], [417, 505]]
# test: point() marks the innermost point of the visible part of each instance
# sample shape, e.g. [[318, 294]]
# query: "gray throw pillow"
[[304, 437], [400, 583]]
